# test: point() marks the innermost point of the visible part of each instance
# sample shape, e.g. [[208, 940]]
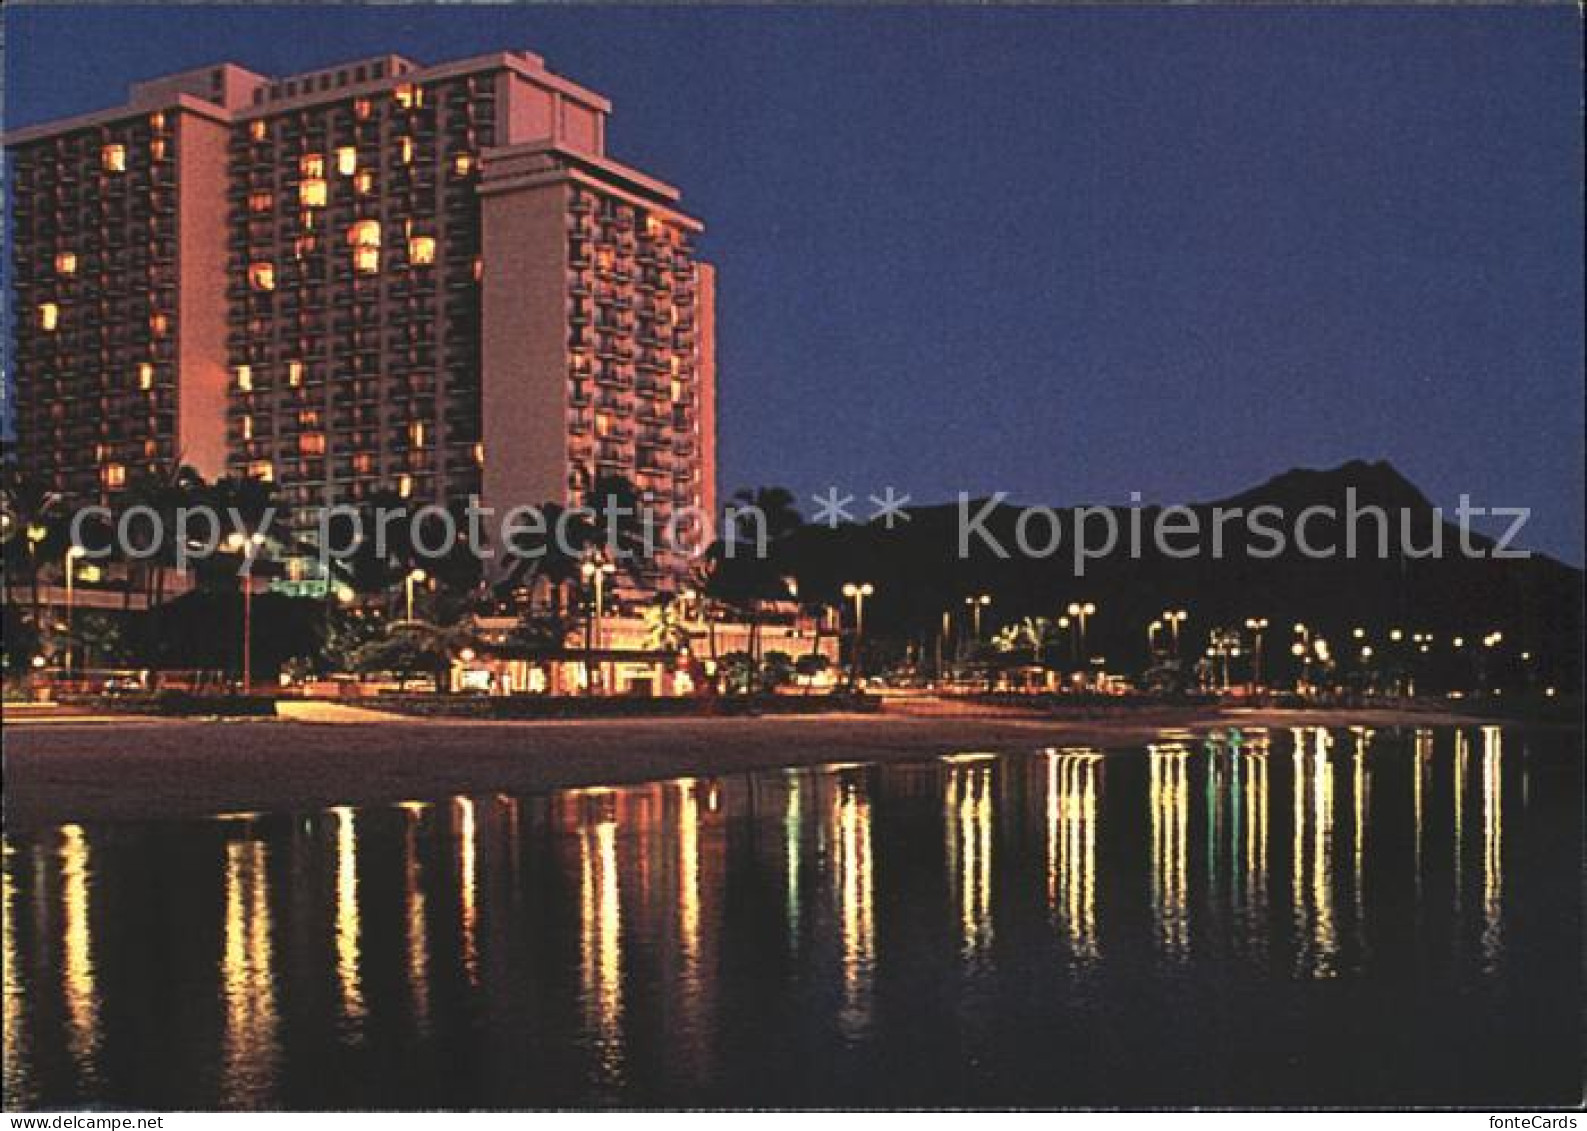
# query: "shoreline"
[[153, 769]]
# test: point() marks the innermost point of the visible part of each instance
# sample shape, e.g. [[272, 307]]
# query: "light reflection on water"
[[1170, 802], [711, 939], [1074, 791], [968, 812], [250, 1033]]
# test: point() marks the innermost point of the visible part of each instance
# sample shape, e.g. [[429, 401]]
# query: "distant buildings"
[[377, 276]]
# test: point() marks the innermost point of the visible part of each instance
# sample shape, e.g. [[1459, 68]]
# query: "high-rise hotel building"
[[379, 276]]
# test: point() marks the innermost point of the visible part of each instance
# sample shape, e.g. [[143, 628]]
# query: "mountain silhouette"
[[919, 573]]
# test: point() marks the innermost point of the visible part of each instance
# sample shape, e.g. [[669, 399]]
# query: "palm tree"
[[615, 527], [1031, 635], [410, 646], [36, 532], [541, 557], [665, 628], [163, 491], [743, 580]]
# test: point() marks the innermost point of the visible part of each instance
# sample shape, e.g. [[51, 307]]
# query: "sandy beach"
[[130, 769]]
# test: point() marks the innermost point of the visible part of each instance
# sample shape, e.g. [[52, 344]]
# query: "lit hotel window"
[[256, 129], [157, 149], [158, 325], [49, 315], [364, 182], [421, 250], [365, 238], [677, 389], [115, 475], [247, 428], [311, 193], [653, 226], [260, 202], [303, 246], [361, 109], [145, 375], [262, 276], [363, 463], [311, 165], [157, 121], [114, 157], [66, 263], [408, 95], [479, 454], [294, 373], [261, 470], [404, 485], [245, 378], [479, 268], [312, 443], [416, 433], [463, 163], [405, 148], [347, 160]]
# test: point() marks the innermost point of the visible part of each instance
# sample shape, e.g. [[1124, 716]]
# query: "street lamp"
[[595, 570], [977, 603], [1082, 613], [1257, 625], [240, 543], [1174, 619], [72, 554], [1151, 638], [1303, 654], [407, 585], [857, 592]]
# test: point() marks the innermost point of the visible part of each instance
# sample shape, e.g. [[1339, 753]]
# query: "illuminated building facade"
[[376, 277], [119, 281]]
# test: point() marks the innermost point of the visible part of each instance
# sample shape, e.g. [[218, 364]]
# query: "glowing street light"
[[72, 554], [977, 603], [595, 570], [857, 592], [1175, 619], [1257, 625], [414, 575], [1082, 613], [239, 543]]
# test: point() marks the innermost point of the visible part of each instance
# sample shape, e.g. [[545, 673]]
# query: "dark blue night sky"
[[1065, 254]]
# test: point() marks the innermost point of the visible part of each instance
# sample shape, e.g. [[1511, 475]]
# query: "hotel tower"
[[379, 276]]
